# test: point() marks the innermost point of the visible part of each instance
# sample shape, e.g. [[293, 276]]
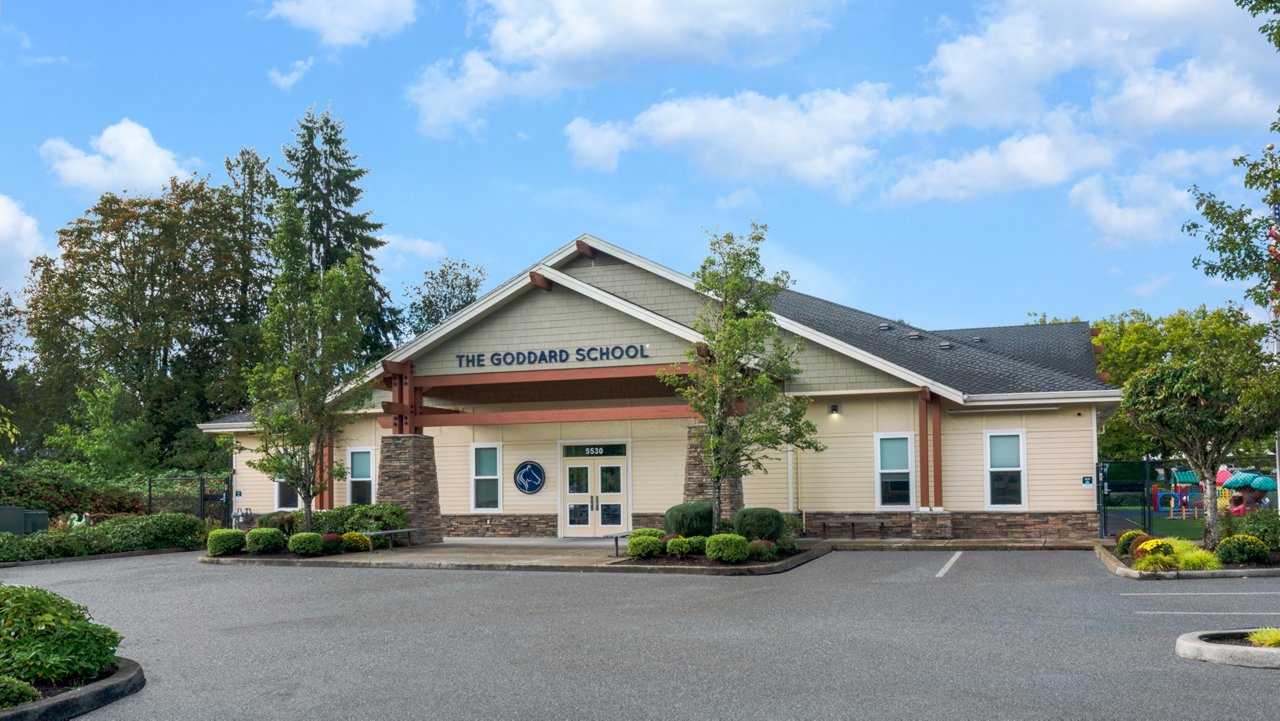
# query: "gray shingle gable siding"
[[962, 365]]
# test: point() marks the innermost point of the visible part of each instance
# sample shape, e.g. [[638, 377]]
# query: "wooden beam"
[[395, 409], [556, 415], [649, 370], [922, 436], [397, 368], [935, 443], [539, 280], [584, 249]]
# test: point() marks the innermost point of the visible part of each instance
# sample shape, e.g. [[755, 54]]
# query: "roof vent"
[[979, 339], [885, 326], [945, 345], [914, 335]]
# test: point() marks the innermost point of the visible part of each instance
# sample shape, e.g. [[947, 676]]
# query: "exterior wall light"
[[834, 408]]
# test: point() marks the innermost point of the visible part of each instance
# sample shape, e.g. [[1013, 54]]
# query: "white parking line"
[[1206, 613], [950, 563], [1205, 593]]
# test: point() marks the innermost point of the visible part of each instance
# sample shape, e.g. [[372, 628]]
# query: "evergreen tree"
[[324, 176]]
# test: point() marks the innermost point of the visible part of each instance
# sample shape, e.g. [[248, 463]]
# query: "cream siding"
[[842, 478], [638, 286], [257, 491], [826, 370]]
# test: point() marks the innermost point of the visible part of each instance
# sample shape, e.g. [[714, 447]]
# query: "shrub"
[[689, 519], [1182, 546], [762, 550], [14, 692], [787, 544], [225, 541], [332, 543], [1242, 548], [1155, 562], [1263, 524], [650, 532], [1122, 543], [697, 545], [12, 548], [644, 546], [753, 523], [727, 547], [284, 521], [62, 488], [50, 640], [163, 530], [1199, 560], [1137, 541], [1226, 519], [1153, 547], [376, 517], [264, 540], [306, 544], [677, 547], [354, 542], [1265, 637], [333, 520]]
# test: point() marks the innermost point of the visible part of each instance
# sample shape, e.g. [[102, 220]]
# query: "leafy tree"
[[7, 430], [1134, 341], [324, 178], [106, 434], [311, 336], [443, 291], [1203, 407], [735, 385], [1270, 9]]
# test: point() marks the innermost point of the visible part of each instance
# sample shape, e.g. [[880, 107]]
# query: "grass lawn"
[[1191, 529]]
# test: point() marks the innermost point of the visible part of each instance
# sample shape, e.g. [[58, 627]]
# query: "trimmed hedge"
[[285, 521], [644, 546], [762, 550], [306, 544], [354, 542], [678, 547], [50, 640], [1242, 549], [754, 523], [14, 692], [225, 541], [689, 519], [333, 520], [265, 540], [650, 532], [698, 544], [332, 543], [727, 548], [114, 535]]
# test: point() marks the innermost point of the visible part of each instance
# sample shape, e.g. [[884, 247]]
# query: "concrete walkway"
[[567, 554]]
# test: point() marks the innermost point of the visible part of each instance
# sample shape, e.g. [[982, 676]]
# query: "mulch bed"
[[696, 561], [51, 691]]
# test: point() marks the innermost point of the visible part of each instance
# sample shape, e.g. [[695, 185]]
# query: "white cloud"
[[597, 146], [126, 157], [19, 242], [538, 47], [400, 248], [346, 22], [740, 198], [1191, 96], [1151, 285], [284, 81], [1019, 162]]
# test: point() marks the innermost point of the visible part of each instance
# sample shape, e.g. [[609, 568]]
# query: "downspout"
[[791, 478]]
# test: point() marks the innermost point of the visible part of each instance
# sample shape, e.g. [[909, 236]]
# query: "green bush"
[[62, 488], [697, 545], [727, 548], [1263, 524], [163, 530], [1242, 548], [306, 544], [225, 541], [644, 546], [377, 517], [14, 692], [650, 532], [355, 542], [1137, 541], [1198, 560], [677, 547], [689, 519], [762, 550], [1125, 539], [1265, 637], [264, 540], [50, 640], [1153, 547], [754, 523], [333, 520], [332, 543], [1155, 562], [12, 548], [285, 521], [787, 544]]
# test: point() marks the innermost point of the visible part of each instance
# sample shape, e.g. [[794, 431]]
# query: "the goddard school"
[[536, 411]]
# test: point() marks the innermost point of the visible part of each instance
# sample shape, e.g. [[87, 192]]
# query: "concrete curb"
[[127, 679], [962, 544], [1117, 567], [96, 557], [1198, 645], [782, 566]]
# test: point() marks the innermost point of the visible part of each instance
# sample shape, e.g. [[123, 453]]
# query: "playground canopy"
[[1242, 479], [1263, 483], [1188, 478]]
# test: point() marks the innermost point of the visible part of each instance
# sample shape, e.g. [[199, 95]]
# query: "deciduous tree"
[[444, 291]]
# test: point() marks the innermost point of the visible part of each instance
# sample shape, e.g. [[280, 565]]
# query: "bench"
[[408, 535], [853, 534], [617, 537]]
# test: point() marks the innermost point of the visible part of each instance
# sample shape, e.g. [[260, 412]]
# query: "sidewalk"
[[596, 554]]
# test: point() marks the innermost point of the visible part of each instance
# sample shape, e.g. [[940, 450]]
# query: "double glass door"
[[595, 496]]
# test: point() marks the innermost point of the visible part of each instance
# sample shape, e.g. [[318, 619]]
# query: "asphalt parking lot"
[[886, 635]]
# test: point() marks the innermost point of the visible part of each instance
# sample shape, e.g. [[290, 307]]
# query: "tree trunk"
[[306, 512], [715, 505], [1212, 527]]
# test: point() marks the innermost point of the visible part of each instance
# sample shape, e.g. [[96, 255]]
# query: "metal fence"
[[1133, 494], [201, 496]]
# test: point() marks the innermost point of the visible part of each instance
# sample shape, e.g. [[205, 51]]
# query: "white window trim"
[[911, 472], [472, 483], [277, 498], [1021, 433], [373, 472]]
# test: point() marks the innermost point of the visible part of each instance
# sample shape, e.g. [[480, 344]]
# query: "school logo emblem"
[[530, 478]]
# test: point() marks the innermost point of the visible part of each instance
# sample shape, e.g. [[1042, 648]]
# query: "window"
[[360, 475], [895, 479], [1006, 470], [286, 497], [486, 489]]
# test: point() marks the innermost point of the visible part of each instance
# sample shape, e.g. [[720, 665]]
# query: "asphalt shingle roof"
[[1053, 358], [241, 417]]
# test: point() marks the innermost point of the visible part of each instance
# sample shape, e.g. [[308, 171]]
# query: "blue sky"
[[951, 164]]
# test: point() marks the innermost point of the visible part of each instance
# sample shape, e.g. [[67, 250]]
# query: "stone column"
[[407, 478], [697, 480]]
